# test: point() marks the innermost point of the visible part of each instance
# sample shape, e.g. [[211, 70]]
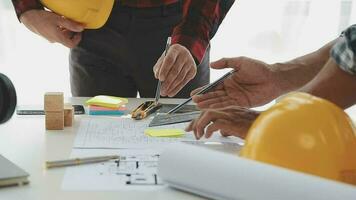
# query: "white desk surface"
[[24, 141]]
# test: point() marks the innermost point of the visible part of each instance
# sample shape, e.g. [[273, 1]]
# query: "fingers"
[[217, 99], [77, 38], [219, 124], [216, 103], [238, 128], [69, 24], [205, 119], [69, 33], [232, 120], [225, 133], [210, 95], [158, 66], [193, 124], [227, 63], [208, 102], [223, 104], [196, 91], [67, 38], [177, 69], [175, 88], [178, 84], [190, 127], [192, 93], [220, 64], [53, 27], [167, 64], [174, 78]]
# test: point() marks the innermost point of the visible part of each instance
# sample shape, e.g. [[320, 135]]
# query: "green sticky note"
[[164, 132], [107, 101]]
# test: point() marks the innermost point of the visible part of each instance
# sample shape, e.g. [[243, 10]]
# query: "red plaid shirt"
[[201, 20]]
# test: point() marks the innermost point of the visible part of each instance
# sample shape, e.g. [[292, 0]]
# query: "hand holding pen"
[[159, 84], [203, 90], [175, 69], [255, 83]]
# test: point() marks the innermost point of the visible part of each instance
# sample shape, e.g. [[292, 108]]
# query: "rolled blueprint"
[[223, 176]]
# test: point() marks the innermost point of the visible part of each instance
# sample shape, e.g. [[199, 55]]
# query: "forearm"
[[337, 80], [296, 73], [333, 84]]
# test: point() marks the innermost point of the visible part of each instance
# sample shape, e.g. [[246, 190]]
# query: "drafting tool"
[[79, 161], [185, 109], [165, 119], [158, 90], [149, 107], [145, 109], [204, 90]]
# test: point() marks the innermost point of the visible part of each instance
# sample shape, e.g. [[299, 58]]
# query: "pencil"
[[158, 89], [79, 161], [204, 90]]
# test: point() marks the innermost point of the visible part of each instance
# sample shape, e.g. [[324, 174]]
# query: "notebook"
[[11, 174]]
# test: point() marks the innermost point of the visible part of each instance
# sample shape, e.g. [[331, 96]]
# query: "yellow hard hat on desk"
[[305, 133], [92, 13]]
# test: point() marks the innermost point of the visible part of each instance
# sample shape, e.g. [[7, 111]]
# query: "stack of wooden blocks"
[[58, 114]]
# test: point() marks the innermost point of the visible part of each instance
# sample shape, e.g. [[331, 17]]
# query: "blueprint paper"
[[137, 171]]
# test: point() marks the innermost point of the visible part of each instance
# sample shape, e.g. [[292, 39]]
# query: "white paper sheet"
[[137, 172], [126, 133], [224, 176]]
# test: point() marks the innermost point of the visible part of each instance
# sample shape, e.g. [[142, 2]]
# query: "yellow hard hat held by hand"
[[307, 134], [92, 13]]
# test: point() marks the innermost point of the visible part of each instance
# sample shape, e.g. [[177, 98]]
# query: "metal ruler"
[[166, 119]]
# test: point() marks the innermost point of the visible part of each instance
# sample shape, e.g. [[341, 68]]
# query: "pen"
[[204, 90], [79, 161], [158, 89]]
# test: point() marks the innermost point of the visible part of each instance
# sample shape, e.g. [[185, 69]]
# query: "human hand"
[[253, 84], [232, 120], [53, 27], [175, 69]]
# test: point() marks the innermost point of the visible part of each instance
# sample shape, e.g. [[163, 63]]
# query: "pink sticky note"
[[122, 108]]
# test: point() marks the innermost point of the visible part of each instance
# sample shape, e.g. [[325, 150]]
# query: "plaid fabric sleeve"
[[201, 20], [22, 6], [344, 51]]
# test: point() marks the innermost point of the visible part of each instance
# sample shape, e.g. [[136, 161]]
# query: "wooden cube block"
[[55, 120], [53, 101], [68, 115]]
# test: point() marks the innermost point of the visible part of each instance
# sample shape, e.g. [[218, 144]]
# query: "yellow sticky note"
[[164, 132], [107, 101]]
